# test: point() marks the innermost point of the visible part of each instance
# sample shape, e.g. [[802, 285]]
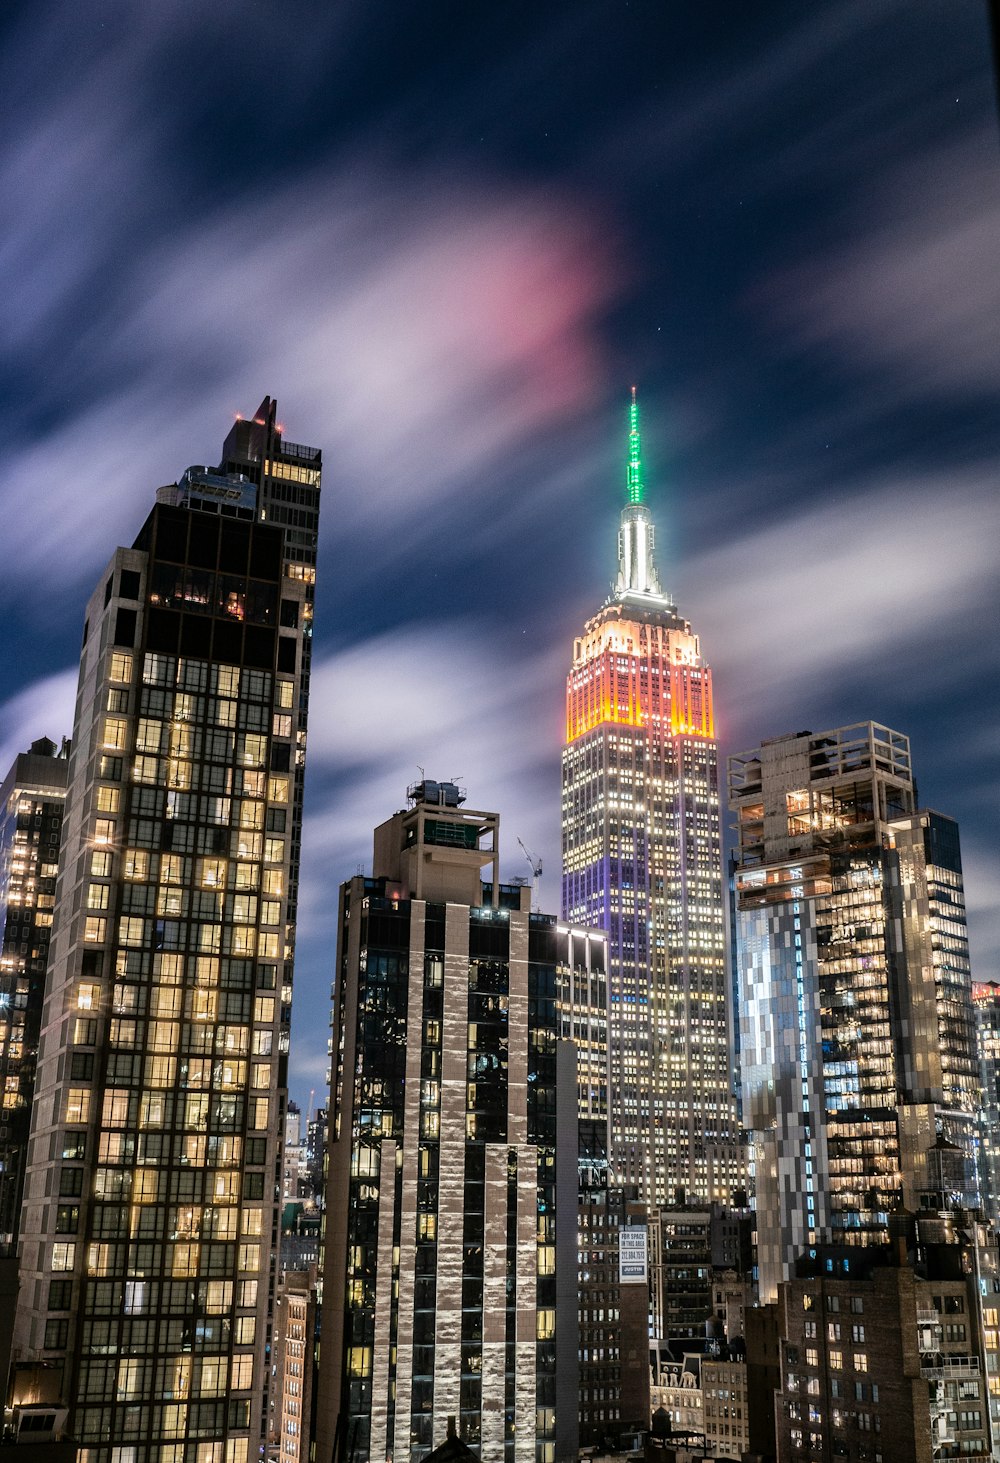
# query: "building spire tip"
[[634, 483]]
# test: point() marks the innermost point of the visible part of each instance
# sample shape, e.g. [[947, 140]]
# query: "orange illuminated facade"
[[626, 676]]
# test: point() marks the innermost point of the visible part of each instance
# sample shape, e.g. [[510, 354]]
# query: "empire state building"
[[642, 861]]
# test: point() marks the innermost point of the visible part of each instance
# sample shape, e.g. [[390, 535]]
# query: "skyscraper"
[[986, 1002], [642, 860], [31, 810], [450, 1266], [150, 1209], [860, 1075]]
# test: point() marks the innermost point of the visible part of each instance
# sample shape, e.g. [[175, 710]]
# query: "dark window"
[[253, 1186], [125, 623], [262, 602], [162, 629], [60, 1295], [171, 534], [196, 637], [234, 548], [227, 643], [128, 583], [56, 1335], [82, 1066], [109, 589], [290, 613], [265, 554], [70, 1186], [286, 654], [275, 817], [281, 756], [204, 549], [258, 647]]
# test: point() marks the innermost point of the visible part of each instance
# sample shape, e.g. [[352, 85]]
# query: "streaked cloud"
[[833, 595], [450, 699], [43, 708], [913, 299]]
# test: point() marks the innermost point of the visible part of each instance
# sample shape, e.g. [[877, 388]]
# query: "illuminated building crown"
[[637, 576]]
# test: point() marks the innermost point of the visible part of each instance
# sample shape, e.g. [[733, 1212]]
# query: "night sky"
[[448, 238]]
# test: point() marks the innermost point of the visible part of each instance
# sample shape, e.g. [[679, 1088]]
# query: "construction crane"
[[536, 873]]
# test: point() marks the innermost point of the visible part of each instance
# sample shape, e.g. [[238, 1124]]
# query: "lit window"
[[115, 734], [241, 1374], [78, 1105]]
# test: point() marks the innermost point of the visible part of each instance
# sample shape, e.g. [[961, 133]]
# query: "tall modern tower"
[[150, 1213], [860, 1077], [642, 860], [32, 797], [450, 1291]]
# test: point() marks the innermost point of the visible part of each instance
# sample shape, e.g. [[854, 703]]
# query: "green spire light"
[[636, 489]]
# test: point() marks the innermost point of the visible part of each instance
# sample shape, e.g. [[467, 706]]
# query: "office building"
[[614, 1397], [857, 1028], [450, 1265], [150, 1218], [642, 861]]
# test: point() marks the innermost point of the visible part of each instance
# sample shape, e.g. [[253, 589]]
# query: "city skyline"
[[790, 257]]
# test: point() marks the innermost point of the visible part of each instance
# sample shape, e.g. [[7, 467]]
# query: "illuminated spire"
[[636, 490], [637, 576]]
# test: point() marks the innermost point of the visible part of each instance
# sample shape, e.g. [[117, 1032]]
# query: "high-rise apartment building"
[[450, 1264], [986, 1002], [642, 861], [890, 1352], [150, 1209], [32, 796], [292, 1402], [857, 1029]]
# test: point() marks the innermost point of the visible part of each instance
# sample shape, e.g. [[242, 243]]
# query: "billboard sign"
[[632, 1255]]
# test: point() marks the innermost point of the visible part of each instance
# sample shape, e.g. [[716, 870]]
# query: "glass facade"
[[152, 1189], [31, 810], [856, 1027]]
